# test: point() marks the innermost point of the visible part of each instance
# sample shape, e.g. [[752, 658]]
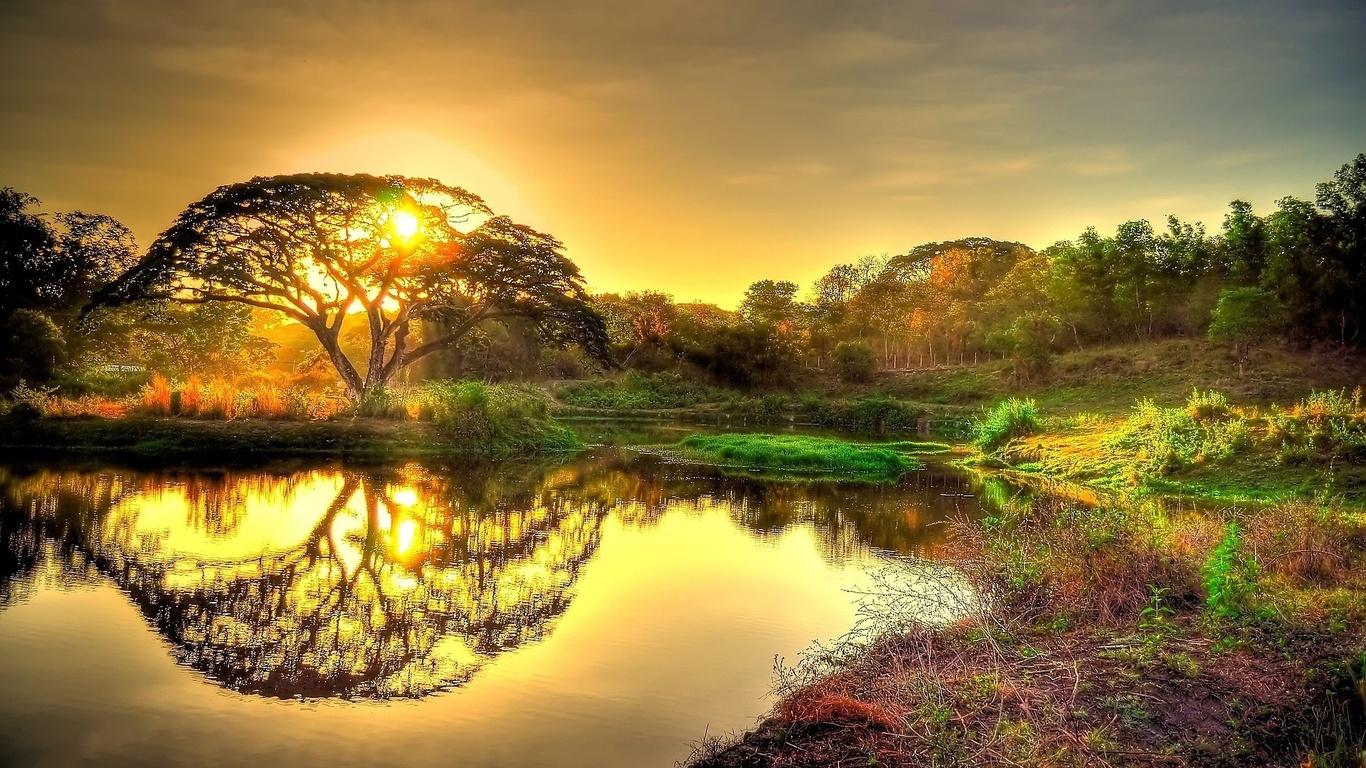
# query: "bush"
[[1163, 440], [1230, 578], [495, 420], [1012, 418], [1328, 424], [867, 414], [1205, 406], [854, 362], [382, 403], [638, 391], [765, 409]]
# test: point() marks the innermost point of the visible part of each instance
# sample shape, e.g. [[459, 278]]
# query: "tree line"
[[78, 303], [1297, 273]]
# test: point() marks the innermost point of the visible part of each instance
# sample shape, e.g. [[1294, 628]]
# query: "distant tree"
[[1245, 317], [389, 250], [31, 347], [638, 324], [1028, 342], [854, 361], [26, 243], [1306, 270], [50, 266], [214, 339], [1242, 248], [770, 301], [1344, 201]]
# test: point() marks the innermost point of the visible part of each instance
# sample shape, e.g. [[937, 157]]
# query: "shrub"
[[1329, 423], [638, 391], [1163, 440], [1009, 419], [854, 361], [867, 414], [765, 409], [495, 420], [381, 403], [1205, 406], [30, 402], [1230, 578], [567, 364]]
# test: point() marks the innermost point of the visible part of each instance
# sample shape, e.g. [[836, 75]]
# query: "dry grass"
[[1090, 646], [156, 396]]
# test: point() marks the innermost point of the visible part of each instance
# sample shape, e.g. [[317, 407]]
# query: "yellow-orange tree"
[[322, 248]]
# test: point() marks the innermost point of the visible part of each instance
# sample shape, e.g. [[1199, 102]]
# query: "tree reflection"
[[397, 581]]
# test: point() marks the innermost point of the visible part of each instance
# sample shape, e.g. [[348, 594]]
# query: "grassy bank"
[[805, 455], [359, 438], [447, 418], [1137, 629], [1110, 380], [1206, 448], [943, 401], [1124, 635]]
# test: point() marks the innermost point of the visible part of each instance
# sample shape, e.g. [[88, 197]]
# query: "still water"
[[607, 610]]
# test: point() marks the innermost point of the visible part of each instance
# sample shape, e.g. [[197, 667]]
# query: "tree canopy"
[[321, 248]]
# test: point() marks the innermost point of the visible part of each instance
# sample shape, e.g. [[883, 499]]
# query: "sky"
[[695, 147]]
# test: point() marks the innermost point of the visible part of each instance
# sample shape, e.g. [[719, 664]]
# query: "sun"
[[405, 224]]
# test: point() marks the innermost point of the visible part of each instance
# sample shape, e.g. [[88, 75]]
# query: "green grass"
[[1011, 418], [255, 439], [1111, 379], [802, 454], [1211, 449], [637, 391]]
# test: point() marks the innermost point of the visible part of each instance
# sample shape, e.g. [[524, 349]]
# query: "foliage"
[[31, 347], [797, 453], [637, 391], [1009, 419], [854, 362], [1162, 440], [1230, 576], [1245, 317], [866, 414], [1208, 405], [390, 245], [500, 420], [1331, 424], [1297, 273]]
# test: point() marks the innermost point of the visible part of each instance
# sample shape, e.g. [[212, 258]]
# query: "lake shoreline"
[[240, 439], [1134, 621]]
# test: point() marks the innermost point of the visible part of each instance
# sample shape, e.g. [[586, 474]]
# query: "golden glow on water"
[[402, 581], [568, 604]]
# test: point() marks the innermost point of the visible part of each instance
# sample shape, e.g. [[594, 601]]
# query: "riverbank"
[[1127, 635], [1158, 624], [944, 401], [1208, 449], [245, 439]]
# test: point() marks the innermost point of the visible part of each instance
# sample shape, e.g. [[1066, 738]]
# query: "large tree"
[[387, 250]]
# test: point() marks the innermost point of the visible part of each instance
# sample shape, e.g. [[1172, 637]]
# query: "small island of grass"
[[805, 454]]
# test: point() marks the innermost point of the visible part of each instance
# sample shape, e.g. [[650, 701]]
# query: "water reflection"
[[383, 582]]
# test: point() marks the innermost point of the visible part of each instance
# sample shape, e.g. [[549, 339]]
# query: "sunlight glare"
[[405, 224], [407, 531]]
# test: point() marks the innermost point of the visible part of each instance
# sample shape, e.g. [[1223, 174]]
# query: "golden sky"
[[696, 146]]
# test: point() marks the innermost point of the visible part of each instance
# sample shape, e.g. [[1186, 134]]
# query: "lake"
[[603, 610]]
